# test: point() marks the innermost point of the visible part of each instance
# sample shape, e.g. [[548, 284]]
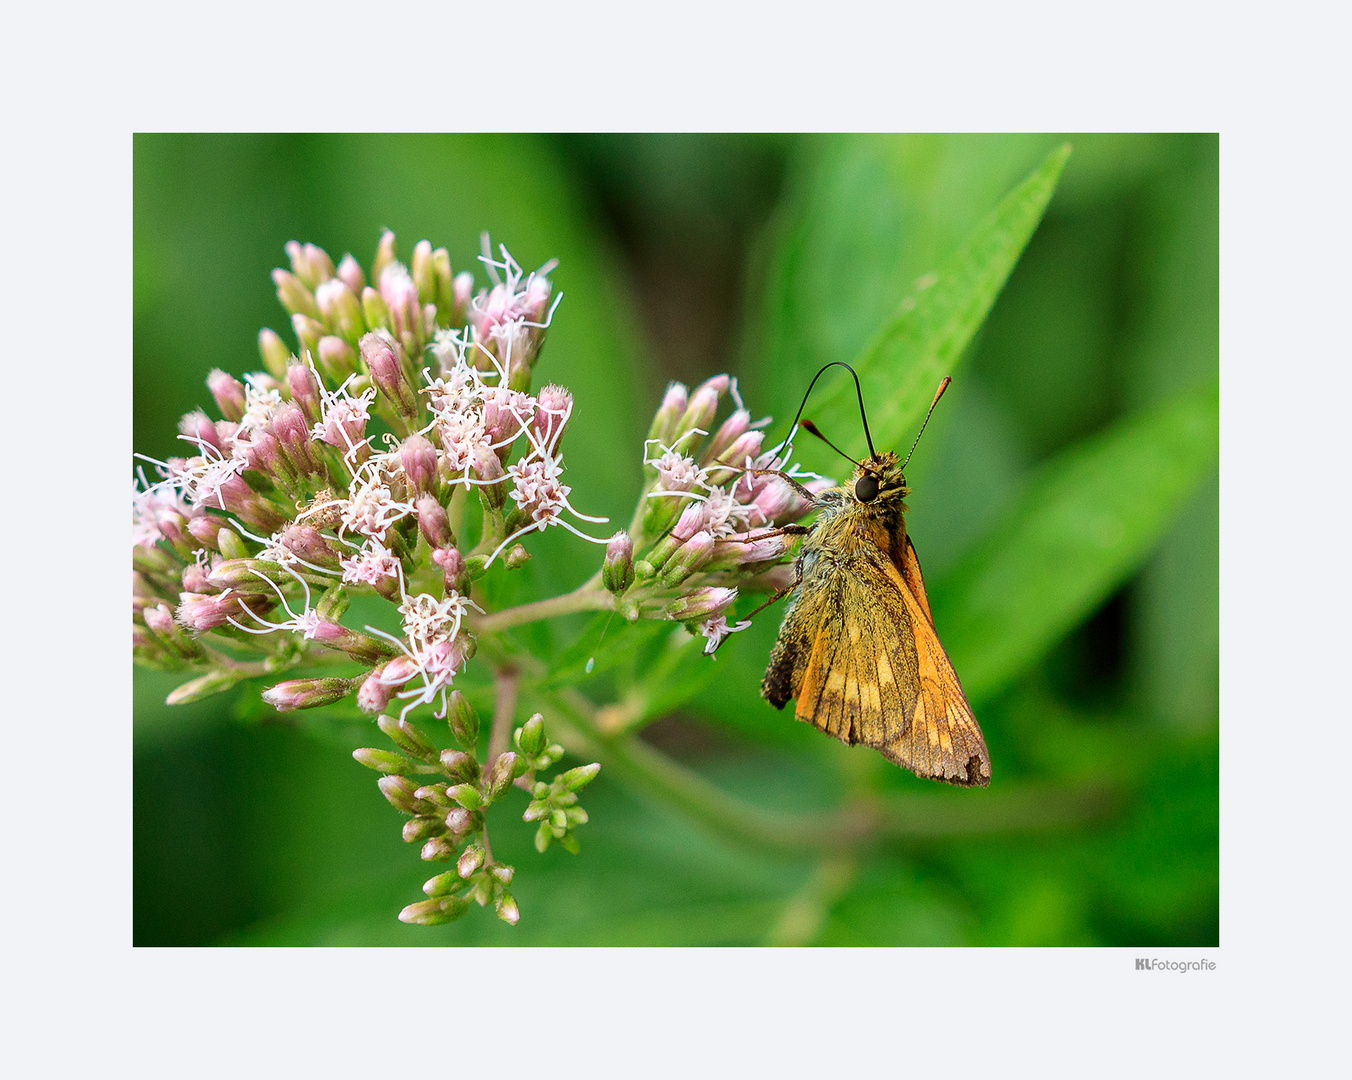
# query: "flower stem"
[[586, 597]]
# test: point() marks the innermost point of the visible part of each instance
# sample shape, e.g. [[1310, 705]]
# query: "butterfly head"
[[879, 479]]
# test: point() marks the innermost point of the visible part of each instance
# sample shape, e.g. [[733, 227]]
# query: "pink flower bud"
[[433, 522], [309, 262], [199, 430], [419, 458], [703, 603], [693, 518], [732, 429], [553, 406], [703, 405], [228, 393], [310, 544], [400, 294], [617, 572], [288, 424], [488, 467], [668, 413], [381, 355], [462, 290], [731, 553], [452, 565], [775, 500], [307, 693], [264, 454], [198, 611], [350, 272], [689, 557], [205, 528], [304, 392], [337, 359], [159, 618], [505, 413]]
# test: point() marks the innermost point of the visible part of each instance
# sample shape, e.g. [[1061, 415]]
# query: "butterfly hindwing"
[[876, 674]]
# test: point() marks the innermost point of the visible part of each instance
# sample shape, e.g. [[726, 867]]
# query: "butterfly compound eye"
[[866, 488]]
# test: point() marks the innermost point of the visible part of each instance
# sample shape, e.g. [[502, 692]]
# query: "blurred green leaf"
[[1087, 521], [902, 365], [863, 217], [606, 641]]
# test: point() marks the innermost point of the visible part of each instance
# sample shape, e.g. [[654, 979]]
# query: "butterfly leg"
[[783, 530], [797, 580], [802, 491]]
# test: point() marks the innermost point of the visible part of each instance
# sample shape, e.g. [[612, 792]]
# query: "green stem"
[[912, 818], [588, 596]]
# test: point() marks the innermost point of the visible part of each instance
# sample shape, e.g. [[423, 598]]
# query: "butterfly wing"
[[877, 674]]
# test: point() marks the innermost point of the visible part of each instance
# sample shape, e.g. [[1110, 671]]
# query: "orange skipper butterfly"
[[857, 648]]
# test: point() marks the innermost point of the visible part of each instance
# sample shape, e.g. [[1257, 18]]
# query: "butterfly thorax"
[[847, 525]]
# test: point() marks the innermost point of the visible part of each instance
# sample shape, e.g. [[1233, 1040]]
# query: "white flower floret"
[[716, 629]]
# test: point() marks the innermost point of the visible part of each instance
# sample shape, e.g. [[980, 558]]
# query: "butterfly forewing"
[[859, 653]]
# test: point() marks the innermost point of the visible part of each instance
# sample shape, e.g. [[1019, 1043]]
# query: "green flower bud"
[[576, 779], [408, 738], [500, 776], [382, 760], [333, 604], [693, 554], [502, 874], [517, 557], [401, 793], [374, 308], [295, 297], [464, 720], [530, 737], [476, 566], [467, 795], [435, 912], [418, 829], [275, 355], [230, 544], [434, 795], [460, 767], [470, 860], [438, 849], [445, 289], [443, 884], [384, 254], [423, 272], [214, 682], [507, 909]]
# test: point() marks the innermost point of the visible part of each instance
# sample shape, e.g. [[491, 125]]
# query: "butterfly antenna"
[[937, 395], [839, 363], [812, 429]]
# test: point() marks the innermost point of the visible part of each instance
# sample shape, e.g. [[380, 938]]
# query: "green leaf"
[[607, 641], [1084, 524], [862, 218], [902, 365]]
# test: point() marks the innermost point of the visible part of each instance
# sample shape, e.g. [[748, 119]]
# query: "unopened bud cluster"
[[447, 792]]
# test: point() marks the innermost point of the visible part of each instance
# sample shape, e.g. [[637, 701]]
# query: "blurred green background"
[[682, 256]]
